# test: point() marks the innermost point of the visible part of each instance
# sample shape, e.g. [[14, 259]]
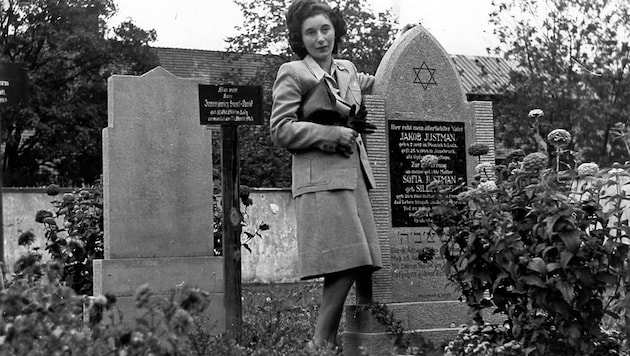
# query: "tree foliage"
[[68, 52], [264, 31], [573, 61]]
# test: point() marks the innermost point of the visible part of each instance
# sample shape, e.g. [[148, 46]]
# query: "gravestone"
[[158, 191], [420, 108]]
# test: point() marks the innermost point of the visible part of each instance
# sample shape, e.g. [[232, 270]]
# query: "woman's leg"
[[336, 288]]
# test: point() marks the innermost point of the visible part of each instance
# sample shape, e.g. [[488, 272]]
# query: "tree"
[[264, 31], [68, 53], [573, 61]]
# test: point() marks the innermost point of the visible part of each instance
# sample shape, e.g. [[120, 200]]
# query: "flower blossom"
[[478, 149], [616, 169], [587, 169], [559, 137], [429, 161], [536, 113], [487, 186], [483, 167], [515, 156], [535, 161]]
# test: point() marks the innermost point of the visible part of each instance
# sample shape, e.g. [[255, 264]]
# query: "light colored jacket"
[[316, 164]]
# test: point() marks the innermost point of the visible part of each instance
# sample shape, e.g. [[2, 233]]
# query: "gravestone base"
[[419, 321], [212, 320], [436, 322], [375, 343], [438, 315], [122, 277]]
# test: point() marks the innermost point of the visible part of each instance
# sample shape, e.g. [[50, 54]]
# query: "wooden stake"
[[231, 230]]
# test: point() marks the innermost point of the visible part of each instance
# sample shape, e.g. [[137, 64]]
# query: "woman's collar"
[[317, 71]]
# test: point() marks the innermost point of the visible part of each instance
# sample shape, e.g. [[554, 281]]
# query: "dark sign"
[[230, 104], [12, 84], [409, 141]]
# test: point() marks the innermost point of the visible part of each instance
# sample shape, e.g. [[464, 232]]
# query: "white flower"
[[483, 167], [488, 186], [535, 161], [429, 161], [559, 137], [536, 113], [587, 169]]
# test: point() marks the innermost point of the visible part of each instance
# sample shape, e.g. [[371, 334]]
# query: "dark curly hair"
[[300, 10]]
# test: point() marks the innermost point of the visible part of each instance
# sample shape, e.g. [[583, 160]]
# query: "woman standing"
[[330, 172]]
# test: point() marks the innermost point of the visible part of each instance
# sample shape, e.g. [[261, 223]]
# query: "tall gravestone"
[[420, 109], [158, 191]]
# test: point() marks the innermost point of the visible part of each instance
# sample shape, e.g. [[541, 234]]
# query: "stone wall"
[[272, 260]]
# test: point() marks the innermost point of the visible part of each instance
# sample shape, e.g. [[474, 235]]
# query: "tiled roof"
[[215, 66], [480, 76]]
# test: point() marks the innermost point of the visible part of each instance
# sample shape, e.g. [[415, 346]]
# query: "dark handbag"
[[319, 106]]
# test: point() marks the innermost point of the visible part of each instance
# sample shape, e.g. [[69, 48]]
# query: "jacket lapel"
[[343, 74], [343, 78]]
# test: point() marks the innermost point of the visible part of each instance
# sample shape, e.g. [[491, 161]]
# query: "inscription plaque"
[[409, 141], [230, 104]]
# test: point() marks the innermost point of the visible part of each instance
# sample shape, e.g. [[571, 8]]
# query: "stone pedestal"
[[157, 185]]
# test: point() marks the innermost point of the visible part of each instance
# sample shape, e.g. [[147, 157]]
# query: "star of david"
[[424, 79]]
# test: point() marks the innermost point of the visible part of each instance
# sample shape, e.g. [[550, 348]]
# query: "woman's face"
[[318, 35]]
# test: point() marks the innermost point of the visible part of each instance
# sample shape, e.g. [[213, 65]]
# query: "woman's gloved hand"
[[347, 141], [358, 122]]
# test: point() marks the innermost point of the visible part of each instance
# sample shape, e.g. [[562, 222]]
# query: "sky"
[[460, 26]]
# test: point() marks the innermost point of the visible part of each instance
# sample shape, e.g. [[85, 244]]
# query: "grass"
[[278, 319]]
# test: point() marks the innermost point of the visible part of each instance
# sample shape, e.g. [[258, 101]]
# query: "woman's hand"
[[347, 141]]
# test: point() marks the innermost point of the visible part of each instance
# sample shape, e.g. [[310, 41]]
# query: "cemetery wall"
[[272, 260]]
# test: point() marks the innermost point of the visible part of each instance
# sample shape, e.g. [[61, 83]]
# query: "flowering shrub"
[[80, 240], [543, 248], [41, 316], [45, 317]]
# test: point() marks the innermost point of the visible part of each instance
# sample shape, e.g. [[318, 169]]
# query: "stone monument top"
[[417, 76]]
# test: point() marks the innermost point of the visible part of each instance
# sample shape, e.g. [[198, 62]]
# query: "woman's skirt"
[[336, 231]]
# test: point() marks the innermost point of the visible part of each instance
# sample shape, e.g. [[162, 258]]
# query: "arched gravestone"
[[158, 191], [420, 108]]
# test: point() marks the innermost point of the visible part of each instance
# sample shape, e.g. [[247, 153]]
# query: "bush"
[[45, 317], [545, 247], [79, 240], [42, 316]]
